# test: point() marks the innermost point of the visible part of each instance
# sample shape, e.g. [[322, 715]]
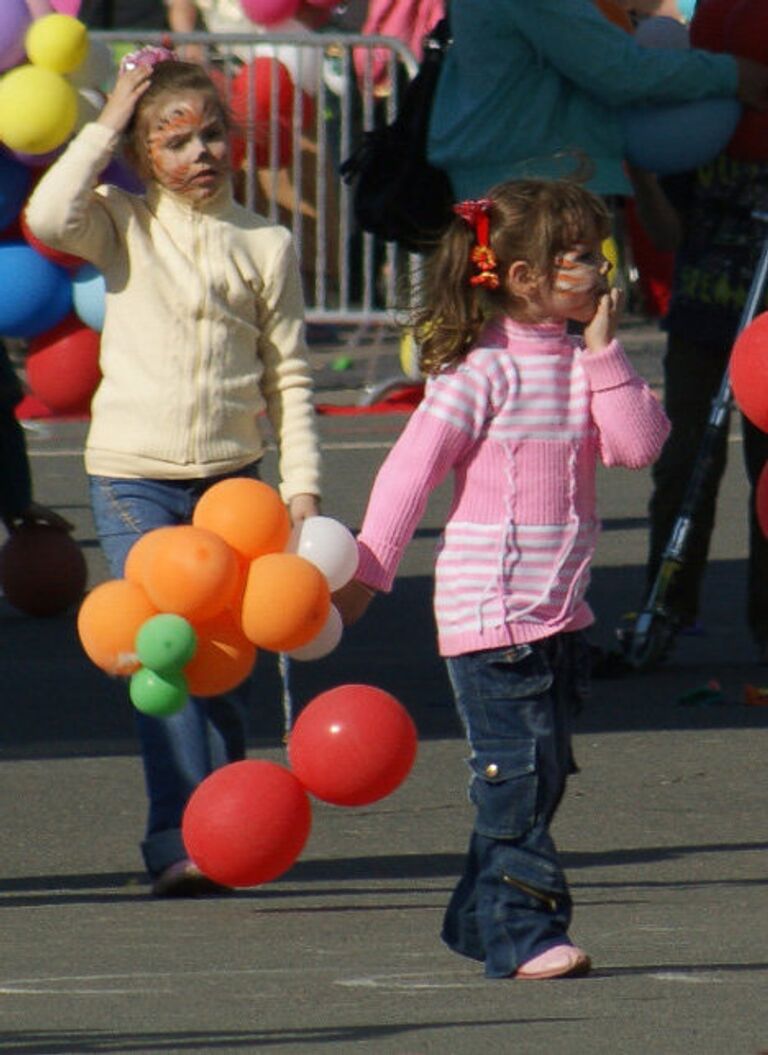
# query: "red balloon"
[[63, 367], [42, 570], [55, 255], [749, 372], [352, 745], [761, 500], [252, 107], [707, 29], [246, 823]]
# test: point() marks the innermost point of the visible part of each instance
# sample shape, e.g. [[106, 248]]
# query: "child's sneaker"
[[561, 961]]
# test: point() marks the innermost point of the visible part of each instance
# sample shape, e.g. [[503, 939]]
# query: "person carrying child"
[[204, 330], [519, 412]]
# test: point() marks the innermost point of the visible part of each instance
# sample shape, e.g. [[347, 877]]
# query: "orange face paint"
[[186, 144]]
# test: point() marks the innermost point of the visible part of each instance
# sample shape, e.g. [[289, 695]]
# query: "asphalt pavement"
[[663, 831]]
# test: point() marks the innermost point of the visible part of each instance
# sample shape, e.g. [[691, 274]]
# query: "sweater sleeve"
[[630, 420], [65, 211], [287, 380], [439, 434], [606, 62]]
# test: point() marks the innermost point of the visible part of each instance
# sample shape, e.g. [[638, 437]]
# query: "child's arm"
[[630, 421], [65, 212], [439, 434]]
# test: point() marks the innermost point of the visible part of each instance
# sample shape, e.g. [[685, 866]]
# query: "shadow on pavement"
[[56, 704]]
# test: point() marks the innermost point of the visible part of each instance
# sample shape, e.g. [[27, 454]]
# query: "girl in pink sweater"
[[519, 412]]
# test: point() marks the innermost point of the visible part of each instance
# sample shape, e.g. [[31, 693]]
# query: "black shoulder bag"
[[396, 194]]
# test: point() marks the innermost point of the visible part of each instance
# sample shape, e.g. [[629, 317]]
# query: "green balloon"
[[159, 695], [166, 642]]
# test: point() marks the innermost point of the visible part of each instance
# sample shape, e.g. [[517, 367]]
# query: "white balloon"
[[325, 642], [328, 545]]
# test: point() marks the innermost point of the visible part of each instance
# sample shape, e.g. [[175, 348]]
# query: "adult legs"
[[512, 902], [692, 376], [755, 457]]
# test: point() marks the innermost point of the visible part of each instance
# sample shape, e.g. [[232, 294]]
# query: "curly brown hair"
[[530, 220]]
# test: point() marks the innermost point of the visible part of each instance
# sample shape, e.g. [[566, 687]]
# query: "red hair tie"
[[475, 213]]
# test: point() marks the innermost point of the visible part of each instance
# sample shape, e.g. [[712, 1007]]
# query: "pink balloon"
[[67, 7], [269, 12], [40, 8]]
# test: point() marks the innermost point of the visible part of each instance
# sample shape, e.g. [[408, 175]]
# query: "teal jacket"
[[526, 80]]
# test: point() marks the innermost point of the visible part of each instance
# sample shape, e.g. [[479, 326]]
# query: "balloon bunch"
[[248, 822], [198, 600], [52, 83]]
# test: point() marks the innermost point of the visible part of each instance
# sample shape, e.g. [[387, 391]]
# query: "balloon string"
[[284, 666]]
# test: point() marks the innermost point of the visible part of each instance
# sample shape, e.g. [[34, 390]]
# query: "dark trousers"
[[692, 374], [512, 901]]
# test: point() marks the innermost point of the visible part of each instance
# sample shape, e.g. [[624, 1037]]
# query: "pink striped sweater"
[[521, 422]]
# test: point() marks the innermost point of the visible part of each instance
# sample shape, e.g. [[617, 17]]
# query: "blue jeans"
[[180, 751], [512, 901]]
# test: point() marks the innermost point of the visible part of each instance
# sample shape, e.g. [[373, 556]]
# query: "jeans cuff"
[[163, 849]]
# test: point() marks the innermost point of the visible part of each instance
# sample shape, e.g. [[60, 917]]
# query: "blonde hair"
[[529, 220], [168, 79]]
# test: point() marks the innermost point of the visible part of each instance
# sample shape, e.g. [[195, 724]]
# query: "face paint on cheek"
[[171, 167], [573, 275]]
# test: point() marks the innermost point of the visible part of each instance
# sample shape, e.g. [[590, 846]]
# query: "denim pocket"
[[504, 787], [512, 673]]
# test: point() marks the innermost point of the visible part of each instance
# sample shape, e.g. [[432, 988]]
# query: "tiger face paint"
[[186, 146], [580, 279]]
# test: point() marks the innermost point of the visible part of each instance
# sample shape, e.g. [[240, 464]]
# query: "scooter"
[[648, 637]]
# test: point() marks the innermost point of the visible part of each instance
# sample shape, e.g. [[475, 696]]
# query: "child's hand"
[[352, 601], [129, 88], [302, 507], [602, 329]]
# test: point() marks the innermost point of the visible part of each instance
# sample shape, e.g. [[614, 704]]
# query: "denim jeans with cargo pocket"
[[180, 751], [516, 704]]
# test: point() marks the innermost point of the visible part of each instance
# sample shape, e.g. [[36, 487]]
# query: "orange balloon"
[[189, 571], [223, 659], [248, 514], [138, 554], [107, 623], [616, 13], [286, 602]]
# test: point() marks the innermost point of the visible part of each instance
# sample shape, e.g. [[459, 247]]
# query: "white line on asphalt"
[[340, 445], [410, 981]]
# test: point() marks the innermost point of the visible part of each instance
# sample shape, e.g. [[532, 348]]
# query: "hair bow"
[[475, 213], [148, 56]]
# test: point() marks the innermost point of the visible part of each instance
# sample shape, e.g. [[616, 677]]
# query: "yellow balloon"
[[38, 109], [57, 42]]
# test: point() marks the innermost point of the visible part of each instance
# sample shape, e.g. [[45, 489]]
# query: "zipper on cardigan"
[[538, 895]]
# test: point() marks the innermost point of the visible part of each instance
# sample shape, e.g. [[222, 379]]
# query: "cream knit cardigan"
[[203, 330]]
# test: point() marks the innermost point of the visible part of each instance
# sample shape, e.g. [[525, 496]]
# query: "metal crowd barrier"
[[292, 142]]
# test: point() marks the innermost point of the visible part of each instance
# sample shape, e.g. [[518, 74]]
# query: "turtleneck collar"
[[159, 200]]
